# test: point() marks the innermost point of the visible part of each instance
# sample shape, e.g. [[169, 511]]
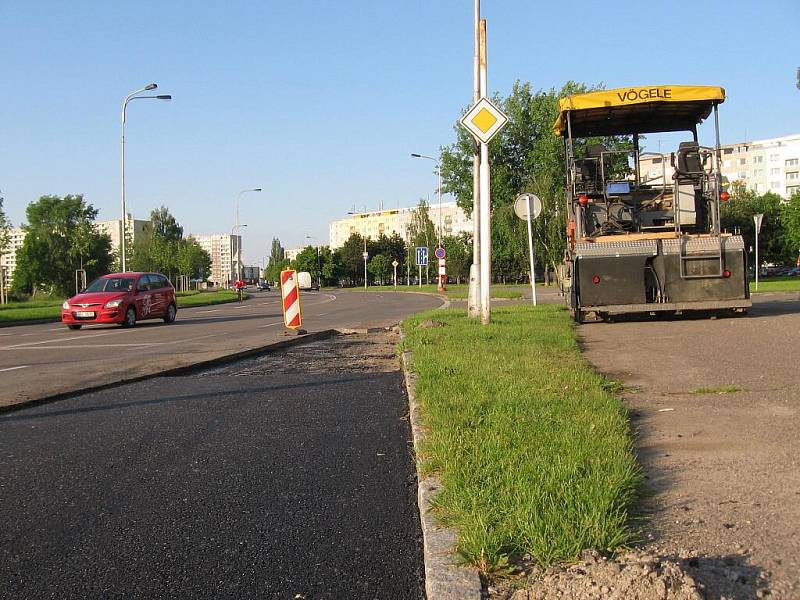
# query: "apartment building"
[[223, 250], [291, 253], [8, 260], [388, 222], [113, 229], [771, 165]]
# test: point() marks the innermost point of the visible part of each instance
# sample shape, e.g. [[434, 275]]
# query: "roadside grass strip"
[[22, 311], [532, 447], [782, 284]]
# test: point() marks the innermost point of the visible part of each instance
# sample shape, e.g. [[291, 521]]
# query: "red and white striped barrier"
[[290, 292]]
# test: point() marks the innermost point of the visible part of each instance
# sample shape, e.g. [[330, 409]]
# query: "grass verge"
[[777, 284], [727, 389], [531, 445], [23, 311]]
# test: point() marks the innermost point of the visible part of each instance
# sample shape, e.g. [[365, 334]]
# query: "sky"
[[321, 103]]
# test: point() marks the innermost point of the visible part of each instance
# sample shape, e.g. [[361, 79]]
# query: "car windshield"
[[110, 284]]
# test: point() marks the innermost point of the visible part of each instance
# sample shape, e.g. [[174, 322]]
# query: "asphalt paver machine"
[[646, 240]]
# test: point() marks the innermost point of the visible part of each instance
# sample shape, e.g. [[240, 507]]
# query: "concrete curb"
[[176, 371], [444, 579]]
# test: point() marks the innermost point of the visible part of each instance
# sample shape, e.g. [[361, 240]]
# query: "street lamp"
[[438, 188], [238, 246], [128, 98], [319, 269]]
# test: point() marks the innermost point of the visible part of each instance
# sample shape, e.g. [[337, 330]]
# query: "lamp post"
[[757, 222], [438, 188], [132, 96], [238, 245], [319, 268]]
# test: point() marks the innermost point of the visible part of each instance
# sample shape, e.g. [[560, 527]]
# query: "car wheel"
[[130, 317], [171, 312], [74, 326]]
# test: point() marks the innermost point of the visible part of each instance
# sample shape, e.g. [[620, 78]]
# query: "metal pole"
[[365, 263], [473, 299], [122, 169], [420, 275], [395, 277], [485, 212], [530, 251]]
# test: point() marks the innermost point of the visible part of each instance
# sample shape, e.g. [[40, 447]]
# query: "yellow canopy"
[[644, 109]]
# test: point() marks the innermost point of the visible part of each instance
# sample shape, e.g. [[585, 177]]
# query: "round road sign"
[[521, 206], [439, 253]]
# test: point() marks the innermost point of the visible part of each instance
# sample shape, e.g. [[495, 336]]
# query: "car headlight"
[[65, 306], [113, 303]]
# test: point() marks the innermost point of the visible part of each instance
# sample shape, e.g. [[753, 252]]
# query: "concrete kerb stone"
[[444, 578], [177, 371]]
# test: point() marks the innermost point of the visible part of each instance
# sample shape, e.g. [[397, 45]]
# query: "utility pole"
[[473, 299], [485, 195]]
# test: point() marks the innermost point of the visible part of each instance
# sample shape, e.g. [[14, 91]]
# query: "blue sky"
[[321, 103]]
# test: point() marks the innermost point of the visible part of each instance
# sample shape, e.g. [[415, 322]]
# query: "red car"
[[122, 298]]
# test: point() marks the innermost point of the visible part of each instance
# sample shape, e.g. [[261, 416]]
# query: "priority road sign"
[[422, 256], [484, 120], [395, 263], [439, 252]]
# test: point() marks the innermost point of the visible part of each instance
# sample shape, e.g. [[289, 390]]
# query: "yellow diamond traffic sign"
[[484, 120]]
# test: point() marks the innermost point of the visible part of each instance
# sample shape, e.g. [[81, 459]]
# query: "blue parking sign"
[[422, 256]]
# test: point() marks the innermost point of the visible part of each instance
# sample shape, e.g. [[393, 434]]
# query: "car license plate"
[[84, 314]]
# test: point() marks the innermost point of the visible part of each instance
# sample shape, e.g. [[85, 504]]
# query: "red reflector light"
[[583, 199], [724, 196], [596, 279], [726, 273]]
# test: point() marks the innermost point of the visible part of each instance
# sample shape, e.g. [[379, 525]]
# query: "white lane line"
[[319, 315], [212, 310], [270, 324], [80, 337], [71, 346], [14, 368]]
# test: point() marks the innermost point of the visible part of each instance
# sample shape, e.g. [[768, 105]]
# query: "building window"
[[775, 185], [792, 189], [758, 172], [758, 159], [792, 162], [774, 171], [728, 151], [743, 175], [792, 176], [774, 156], [742, 161]]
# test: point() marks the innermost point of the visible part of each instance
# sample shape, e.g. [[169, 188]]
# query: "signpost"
[[757, 219], [394, 264], [527, 207], [422, 260], [484, 120], [440, 253]]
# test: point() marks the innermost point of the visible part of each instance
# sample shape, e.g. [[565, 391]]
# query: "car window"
[[163, 282], [144, 284], [110, 284]]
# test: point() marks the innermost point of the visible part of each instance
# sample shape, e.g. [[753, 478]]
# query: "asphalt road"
[[44, 360], [288, 476]]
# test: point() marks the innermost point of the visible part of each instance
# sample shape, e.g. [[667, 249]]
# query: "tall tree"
[[459, 256], [525, 157], [736, 215], [306, 260], [351, 258], [277, 261], [192, 260], [422, 232], [790, 218], [379, 266], [5, 226], [48, 260], [164, 225]]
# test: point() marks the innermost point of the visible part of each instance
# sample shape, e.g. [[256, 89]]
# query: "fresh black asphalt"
[[219, 485]]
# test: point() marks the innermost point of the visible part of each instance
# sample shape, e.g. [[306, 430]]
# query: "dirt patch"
[[368, 353]]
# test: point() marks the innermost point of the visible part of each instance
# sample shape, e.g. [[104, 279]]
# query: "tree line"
[[61, 239]]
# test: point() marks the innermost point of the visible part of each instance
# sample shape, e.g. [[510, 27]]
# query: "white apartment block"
[[771, 165], [291, 253], [453, 221], [113, 229], [223, 249], [8, 260]]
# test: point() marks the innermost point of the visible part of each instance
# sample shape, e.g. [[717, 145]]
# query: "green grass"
[[532, 446], [51, 309], [727, 389], [453, 291], [776, 284]]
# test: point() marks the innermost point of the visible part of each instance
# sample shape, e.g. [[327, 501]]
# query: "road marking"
[[212, 310], [14, 368], [80, 337], [270, 324], [320, 315], [71, 346]]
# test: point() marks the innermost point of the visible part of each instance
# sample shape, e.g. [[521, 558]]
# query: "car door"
[[144, 298], [160, 293]]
